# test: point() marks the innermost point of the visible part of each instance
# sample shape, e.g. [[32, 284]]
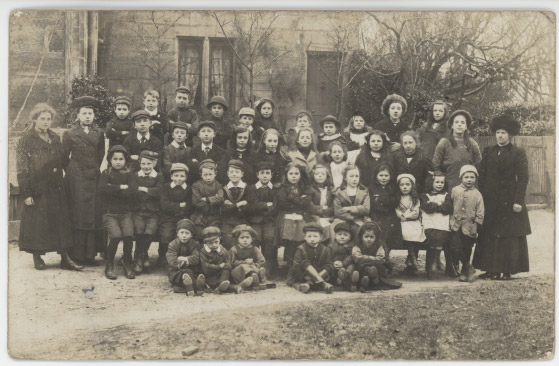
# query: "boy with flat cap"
[[184, 113], [146, 208], [235, 205], [183, 256], [142, 140], [312, 266], [120, 126], [207, 148], [176, 204], [177, 151]]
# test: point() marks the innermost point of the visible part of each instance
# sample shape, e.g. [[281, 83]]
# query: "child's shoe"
[[255, 281], [464, 273], [128, 269], [364, 284], [145, 262], [200, 284], [246, 283], [187, 281], [264, 279], [327, 287], [342, 276], [304, 287], [138, 265], [354, 281], [222, 287], [110, 271], [373, 275]]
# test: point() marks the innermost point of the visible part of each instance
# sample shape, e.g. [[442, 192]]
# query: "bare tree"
[[152, 30], [249, 35], [463, 55]]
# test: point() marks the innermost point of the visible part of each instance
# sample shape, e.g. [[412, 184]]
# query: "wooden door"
[[322, 71]]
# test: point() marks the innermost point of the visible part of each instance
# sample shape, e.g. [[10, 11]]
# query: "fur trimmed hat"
[[460, 112], [507, 123], [393, 98]]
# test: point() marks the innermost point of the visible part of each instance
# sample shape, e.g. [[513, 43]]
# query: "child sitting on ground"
[[341, 249], [466, 220], [312, 266], [247, 261], [368, 256], [216, 262], [183, 256]]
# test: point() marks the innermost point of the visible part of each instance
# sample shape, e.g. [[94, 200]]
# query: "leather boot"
[[200, 284], [325, 285], [67, 263], [110, 270], [38, 262], [256, 282], [438, 264], [364, 286], [187, 282], [429, 262], [317, 279], [414, 263], [138, 256], [246, 283], [222, 287], [304, 287], [128, 268], [264, 279], [465, 272], [373, 275]]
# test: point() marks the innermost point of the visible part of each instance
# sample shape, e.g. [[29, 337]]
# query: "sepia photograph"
[[290, 184]]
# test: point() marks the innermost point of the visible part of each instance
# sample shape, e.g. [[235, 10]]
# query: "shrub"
[[93, 86]]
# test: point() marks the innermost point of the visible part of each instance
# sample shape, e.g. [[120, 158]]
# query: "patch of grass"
[[499, 320]]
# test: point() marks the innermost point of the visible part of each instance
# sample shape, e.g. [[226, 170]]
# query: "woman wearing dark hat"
[[44, 222], [503, 180], [84, 145], [457, 149]]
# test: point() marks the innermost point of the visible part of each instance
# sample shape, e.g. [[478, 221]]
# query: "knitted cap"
[[406, 175], [186, 224], [241, 228], [468, 168], [218, 99]]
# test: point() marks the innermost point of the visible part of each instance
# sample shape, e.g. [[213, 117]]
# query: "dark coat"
[[384, 201], [430, 137], [118, 129], [148, 202], [171, 199], [315, 208], [324, 141], [367, 165], [188, 116], [191, 250], [217, 154], [249, 160], [170, 155], [393, 131], [279, 163], [135, 147], [44, 225], [115, 200], [230, 212], [160, 130], [502, 182], [82, 172], [258, 208], [419, 166]]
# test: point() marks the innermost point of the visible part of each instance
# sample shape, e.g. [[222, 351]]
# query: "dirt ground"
[[55, 314]]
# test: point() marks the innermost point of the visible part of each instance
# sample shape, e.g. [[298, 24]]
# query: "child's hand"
[[269, 204], [242, 203], [249, 261], [204, 199], [221, 265], [29, 201], [338, 264], [325, 207], [182, 204], [124, 186], [227, 202], [517, 208], [194, 160], [125, 132], [143, 189], [134, 157], [155, 122]]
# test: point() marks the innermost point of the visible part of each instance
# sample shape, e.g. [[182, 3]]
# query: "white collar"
[[204, 146], [139, 136], [207, 248], [152, 113], [259, 185], [173, 185], [176, 145], [240, 185], [152, 174]]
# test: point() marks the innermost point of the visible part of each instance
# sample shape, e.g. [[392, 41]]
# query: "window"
[[206, 68], [190, 67]]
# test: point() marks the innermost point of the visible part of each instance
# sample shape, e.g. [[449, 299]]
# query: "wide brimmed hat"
[[219, 100], [459, 112], [506, 123], [85, 101], [330, 118]]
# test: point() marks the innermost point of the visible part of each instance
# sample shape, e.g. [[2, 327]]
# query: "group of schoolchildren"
[[221, 197]]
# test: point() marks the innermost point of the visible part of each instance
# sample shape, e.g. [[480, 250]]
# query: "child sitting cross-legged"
[[368, 256], [247, 260], [312, 266], [183, 257], [216, 262], [341, 248]]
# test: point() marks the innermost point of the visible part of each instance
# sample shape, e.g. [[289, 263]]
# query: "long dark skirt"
[[503, 255]]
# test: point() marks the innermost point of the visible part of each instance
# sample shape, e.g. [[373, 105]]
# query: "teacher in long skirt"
[[503, 178], [44, 222]]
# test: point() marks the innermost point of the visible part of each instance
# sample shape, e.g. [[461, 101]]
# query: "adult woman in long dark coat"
[[503, 178], [44, 222], [84, 144]]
